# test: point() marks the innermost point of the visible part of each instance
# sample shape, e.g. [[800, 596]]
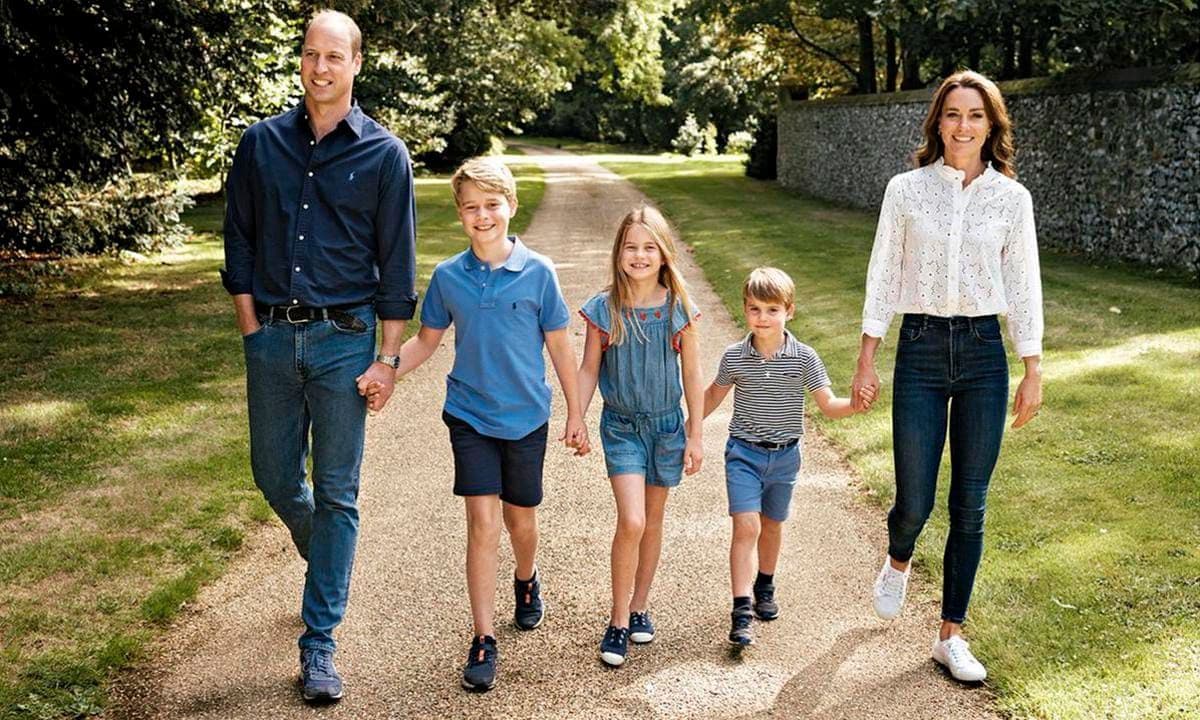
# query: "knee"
[[908, 519], [771, 527], [631, 526], [483, 527], [966, 520], [746, 527]]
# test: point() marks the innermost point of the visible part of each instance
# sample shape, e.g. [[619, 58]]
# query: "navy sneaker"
[[529, 610], [615, 646], [319, 679], [740, 633], [479, 674], [641, 630], [765, 606]]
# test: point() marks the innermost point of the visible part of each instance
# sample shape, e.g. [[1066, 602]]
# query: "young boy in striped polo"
[[771, 369]]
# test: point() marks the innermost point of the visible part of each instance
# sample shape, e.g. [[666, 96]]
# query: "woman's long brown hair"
[[997, 149]]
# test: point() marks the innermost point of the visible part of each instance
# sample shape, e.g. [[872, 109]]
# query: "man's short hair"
[[355, 33], [489, 174], [769, 285]]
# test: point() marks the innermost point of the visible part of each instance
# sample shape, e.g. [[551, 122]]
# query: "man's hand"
[[377, 385]]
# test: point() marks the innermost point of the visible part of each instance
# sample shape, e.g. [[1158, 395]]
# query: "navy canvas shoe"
[[529, 610], [319, 679], [641, 629], [479, 674], [615, 646]]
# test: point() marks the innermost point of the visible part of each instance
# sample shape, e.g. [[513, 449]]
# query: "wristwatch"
[[393, 360]]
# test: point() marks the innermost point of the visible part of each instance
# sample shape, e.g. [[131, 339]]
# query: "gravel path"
[[233, 653]]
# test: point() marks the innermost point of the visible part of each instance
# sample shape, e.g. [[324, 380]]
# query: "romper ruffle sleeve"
[[679, 322], [595, 313]]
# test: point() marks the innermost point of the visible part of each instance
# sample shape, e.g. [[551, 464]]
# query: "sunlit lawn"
[[124, 475], [1088, 601]]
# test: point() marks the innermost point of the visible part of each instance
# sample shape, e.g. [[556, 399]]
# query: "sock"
[[763, 579], [741, 602], [531, 577]]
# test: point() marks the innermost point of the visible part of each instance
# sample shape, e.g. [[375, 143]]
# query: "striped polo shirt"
[[768, 395]]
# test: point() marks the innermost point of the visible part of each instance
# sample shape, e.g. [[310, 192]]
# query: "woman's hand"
[[864, 388], [1028, 399]]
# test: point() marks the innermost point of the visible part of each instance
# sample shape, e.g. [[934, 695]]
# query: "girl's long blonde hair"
[[620, 295]]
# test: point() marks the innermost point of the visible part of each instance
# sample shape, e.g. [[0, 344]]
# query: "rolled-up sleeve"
[[395, 235], [883, 271], [1022, 276], [240, 221]]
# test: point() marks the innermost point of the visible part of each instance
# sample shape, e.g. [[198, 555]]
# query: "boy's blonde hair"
[[620, 295], [769, 285], [488, 174]]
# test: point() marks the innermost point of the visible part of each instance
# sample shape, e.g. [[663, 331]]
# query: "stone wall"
[[1112, 161]]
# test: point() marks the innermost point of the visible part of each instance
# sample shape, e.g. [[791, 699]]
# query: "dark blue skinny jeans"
[[949, 371]]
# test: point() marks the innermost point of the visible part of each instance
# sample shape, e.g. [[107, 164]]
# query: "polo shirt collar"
[[789, 349], [516, 259]]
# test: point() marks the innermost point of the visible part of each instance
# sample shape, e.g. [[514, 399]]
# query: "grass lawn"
[[1088, 601], [124, 472]]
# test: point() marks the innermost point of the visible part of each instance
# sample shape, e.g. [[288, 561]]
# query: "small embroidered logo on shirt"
[[351, 178]]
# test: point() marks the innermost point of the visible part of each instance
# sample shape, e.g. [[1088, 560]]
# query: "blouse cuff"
[[1028, 348], [874, 328]]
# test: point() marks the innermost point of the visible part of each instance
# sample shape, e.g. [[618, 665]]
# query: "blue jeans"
[[956, 369], [300, 379], [760, 480]]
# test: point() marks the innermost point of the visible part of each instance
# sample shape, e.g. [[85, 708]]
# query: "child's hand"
[[575, 436], [693, 456], [866, 397]]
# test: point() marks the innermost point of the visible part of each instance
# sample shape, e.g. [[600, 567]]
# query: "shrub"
[[761, 162]]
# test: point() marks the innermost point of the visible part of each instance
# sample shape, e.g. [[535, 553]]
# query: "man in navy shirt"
[[319, 242]]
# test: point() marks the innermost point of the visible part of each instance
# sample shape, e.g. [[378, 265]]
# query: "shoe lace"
[[640, 619], [741, 621], [318, 664], [959, 651], [480, 651], [893, 581], [615, 634]]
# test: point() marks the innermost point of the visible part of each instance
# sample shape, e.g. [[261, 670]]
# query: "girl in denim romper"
[[639, 338]]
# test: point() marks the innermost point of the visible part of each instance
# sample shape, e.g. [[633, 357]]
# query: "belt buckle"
[[287, 315]]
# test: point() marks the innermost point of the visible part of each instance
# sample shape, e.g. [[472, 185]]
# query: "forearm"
[[587, 380], [695, 398], [247, 317], [866, 351], [714, 395], [393, 335], [415, 351], [837, 408], [563, 359]]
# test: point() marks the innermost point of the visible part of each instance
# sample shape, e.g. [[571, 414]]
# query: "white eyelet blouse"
[[942, 249]]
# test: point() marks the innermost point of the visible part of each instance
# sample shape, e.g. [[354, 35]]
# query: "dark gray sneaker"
[[765, 606], [740, 633], [319, 679], [529, 610], [641, 629], [479, 674]]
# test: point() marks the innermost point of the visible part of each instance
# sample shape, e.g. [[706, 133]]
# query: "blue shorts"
[[760, 480], [650, 445], [484, 465]]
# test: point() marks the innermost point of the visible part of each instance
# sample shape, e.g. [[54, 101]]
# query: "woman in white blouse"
[[955, 247]]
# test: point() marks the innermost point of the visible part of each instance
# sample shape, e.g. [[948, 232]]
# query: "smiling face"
[[767, 318], [641, 257], [963, 126], [328, 63], [484, 215]]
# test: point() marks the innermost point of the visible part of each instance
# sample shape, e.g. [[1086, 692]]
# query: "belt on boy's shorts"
[[298, 314], [771, 445]]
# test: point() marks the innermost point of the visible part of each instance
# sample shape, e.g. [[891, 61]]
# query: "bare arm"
[[563, 358], [247, 318], [693, 395], [866, 380], [419, 348], [589, 368], [714, 396], [831, 405]]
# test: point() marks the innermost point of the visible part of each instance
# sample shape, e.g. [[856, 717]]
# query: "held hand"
[[1028, 399], [693, 456], [575, 436], [865, 386], [376, 384]]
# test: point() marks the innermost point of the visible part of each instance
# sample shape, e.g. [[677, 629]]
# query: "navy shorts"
[[485, 465]]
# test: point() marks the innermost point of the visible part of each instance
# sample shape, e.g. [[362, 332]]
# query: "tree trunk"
[[1007, 46], [866, 55], [892, 69], [1025, 50]]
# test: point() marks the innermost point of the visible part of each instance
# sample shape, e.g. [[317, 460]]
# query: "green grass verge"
[[1088, 601], [124, 471]]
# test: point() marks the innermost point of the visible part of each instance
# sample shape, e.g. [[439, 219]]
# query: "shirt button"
[[295, 301], [297, 268], [312, 142], [305, 206], [310, 173], [301, 237]]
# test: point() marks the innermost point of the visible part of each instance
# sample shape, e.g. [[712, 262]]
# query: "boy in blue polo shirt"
[[504, 301]]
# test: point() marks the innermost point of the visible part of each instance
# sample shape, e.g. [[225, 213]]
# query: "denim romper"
[[641, 426]]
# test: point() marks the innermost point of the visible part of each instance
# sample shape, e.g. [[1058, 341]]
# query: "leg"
[[650, 548], [279, 423], [331, 361], [746, 528], [769, 542], [629, 493], [483, 541], [522, 526], [977, 416], [918, 438]]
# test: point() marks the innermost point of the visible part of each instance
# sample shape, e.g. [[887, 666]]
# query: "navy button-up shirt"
[[322, 223]]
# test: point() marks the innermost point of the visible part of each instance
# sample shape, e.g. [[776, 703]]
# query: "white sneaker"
[[955, 654], [890, 588]]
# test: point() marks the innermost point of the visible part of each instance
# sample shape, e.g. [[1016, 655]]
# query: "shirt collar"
[[353, 120], [953, 173], [789, 349], [515, 262]]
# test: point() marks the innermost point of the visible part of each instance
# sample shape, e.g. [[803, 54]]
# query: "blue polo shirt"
[[501, 317]]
